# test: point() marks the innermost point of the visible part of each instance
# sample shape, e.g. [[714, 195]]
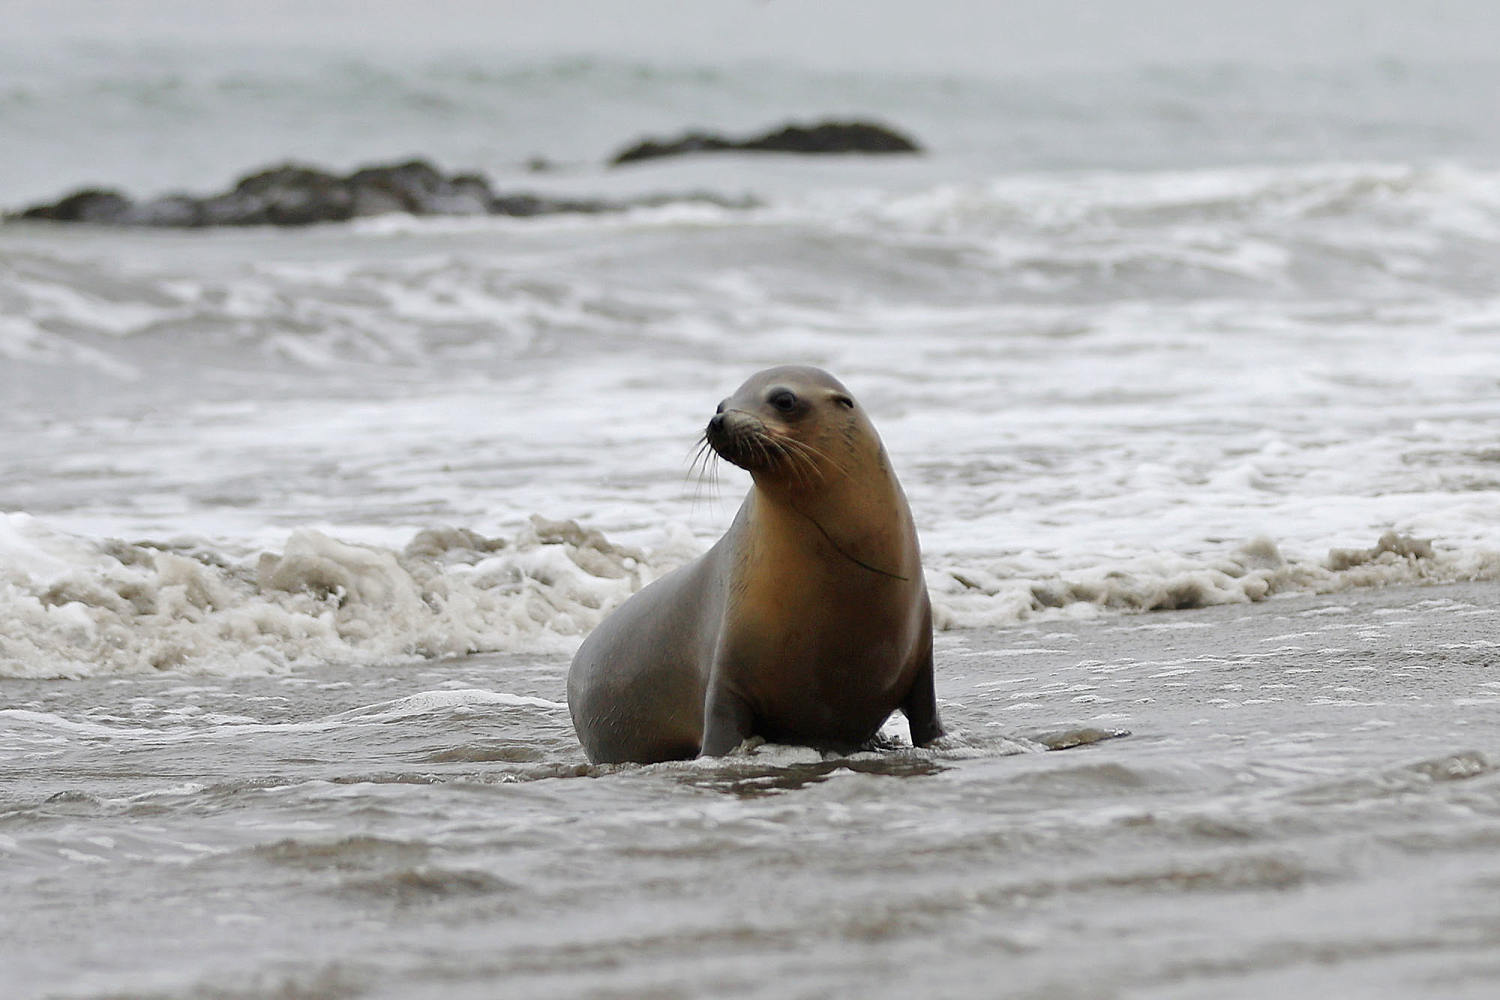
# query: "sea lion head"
[[792, 425]]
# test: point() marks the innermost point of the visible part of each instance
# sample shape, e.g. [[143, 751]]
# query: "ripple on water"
[[359, 852], [426, 884], [1419, 777]]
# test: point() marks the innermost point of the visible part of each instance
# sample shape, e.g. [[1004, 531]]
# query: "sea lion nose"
[[716, 423]]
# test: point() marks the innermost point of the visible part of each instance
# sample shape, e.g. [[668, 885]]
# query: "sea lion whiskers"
[[768, 447], [815, 456], [696, 455], [740, 443], [761, 443], [704, 466], [801, 466]]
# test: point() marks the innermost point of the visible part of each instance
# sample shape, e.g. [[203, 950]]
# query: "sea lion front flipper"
[[727, 722], [920, 705]]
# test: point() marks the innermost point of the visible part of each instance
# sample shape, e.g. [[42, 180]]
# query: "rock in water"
[[825, 137], [295, 195], [88, 205]]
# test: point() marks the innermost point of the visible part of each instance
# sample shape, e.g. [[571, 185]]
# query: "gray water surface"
[[1307, 804]]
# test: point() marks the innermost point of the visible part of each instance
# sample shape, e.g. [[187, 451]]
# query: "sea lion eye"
[[784, 400]]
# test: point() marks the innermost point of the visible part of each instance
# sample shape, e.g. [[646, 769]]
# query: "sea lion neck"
[[864, 520]]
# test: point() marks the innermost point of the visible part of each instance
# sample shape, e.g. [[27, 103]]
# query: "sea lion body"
[[807, 623]]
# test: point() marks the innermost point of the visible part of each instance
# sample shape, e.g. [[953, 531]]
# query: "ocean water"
[[298, 528]]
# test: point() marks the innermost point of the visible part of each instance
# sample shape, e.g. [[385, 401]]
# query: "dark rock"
[[464, 194], [412, 185], [293, 195], [825, 137], [376, 201], [287, 195], [177, 210], [692, 142], [89, 205], [834, 137], [526, 205]]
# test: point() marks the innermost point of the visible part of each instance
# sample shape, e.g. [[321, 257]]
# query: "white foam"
[[1096, 390], [968, 596], [23, 339], [32, 729], [432, 701], [81, 607]]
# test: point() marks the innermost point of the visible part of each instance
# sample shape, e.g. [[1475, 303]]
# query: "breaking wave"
[[967, 596], [76, 606], [1320, 230], [1369, 233]]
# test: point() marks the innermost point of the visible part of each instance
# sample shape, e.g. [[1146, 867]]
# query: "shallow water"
[[298, 529], [1125, 392], [1218, 361], [1306, 800]]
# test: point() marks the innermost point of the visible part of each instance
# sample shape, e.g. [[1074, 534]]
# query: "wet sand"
[[1307, 805]]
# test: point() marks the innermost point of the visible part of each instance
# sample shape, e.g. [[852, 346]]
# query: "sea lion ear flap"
[[843, 400]]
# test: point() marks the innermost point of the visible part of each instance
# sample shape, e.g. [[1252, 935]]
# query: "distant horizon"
[[153, 96], [966, 37]]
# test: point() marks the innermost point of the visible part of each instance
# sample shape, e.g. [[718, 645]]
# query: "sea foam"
[[77, 606]]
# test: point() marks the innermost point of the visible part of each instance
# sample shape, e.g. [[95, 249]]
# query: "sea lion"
[[807, 623]]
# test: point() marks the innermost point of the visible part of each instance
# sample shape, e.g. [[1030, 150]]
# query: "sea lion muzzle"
[[740, 438]]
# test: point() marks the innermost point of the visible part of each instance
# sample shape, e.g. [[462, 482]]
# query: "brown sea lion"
[[807, 623]]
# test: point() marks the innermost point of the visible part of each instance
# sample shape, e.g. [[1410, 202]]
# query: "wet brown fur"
[[808, 622]]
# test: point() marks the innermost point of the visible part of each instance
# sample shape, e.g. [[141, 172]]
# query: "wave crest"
[[78, 607], [975, 596]]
